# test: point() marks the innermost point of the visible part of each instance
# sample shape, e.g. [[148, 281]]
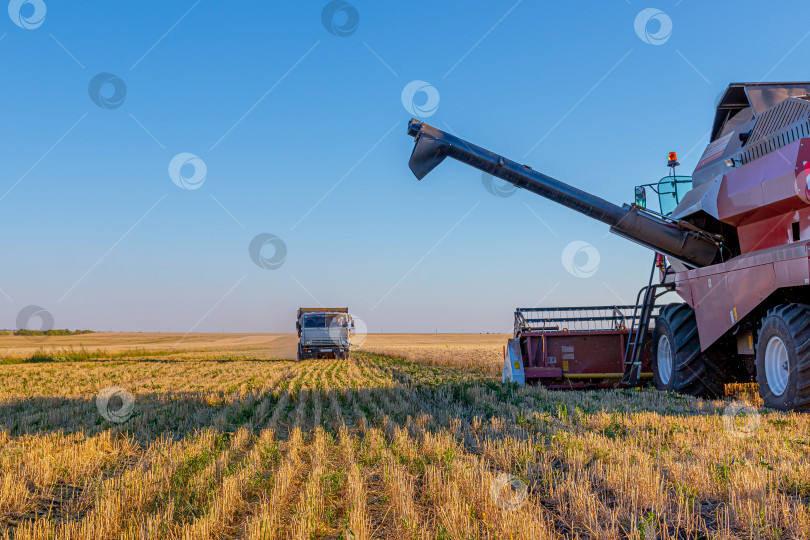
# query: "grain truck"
[[323, 332]]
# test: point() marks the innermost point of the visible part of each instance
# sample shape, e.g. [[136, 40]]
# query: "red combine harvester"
[[735, 247]]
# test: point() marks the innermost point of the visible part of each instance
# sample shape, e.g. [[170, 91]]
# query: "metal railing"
[[576, 319]]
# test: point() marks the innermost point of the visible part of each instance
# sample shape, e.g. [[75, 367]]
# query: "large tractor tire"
[[783, 358], [677, 363]]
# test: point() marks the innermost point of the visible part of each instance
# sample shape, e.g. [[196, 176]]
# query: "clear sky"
[[145, 145]]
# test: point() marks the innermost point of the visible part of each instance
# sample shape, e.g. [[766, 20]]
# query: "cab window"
[[671, 190], [314, 321]]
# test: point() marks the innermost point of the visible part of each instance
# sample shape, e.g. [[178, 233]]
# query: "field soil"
[[148, 436]]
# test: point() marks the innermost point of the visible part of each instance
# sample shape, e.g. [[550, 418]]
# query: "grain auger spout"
[[677, 239]]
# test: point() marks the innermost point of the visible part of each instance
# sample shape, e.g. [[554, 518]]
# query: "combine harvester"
[[735, 247]]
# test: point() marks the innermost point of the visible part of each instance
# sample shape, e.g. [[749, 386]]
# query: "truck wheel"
[[677, 363], [300, 353], [783, 358]]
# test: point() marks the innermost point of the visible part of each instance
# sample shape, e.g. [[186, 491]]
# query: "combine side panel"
[[513, 363], [724, 294]]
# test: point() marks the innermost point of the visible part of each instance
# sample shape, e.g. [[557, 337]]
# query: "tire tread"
[[797, 318], [696, 374]]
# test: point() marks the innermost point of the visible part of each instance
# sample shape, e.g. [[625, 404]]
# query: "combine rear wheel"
[[678, 365], [783, 358]]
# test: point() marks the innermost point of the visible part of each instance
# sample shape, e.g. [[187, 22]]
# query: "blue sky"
[[303, 136]]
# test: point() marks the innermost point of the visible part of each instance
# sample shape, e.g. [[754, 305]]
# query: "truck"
[[323, 332]]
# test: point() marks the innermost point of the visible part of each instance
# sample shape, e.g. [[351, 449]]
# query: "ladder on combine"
[[640, 327]]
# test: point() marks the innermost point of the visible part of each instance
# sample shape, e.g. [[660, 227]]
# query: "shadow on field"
[[430, 408], [177, 415]]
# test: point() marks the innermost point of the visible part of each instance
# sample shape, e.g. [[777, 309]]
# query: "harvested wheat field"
[[194, 445], [131, 344], [479, 351]]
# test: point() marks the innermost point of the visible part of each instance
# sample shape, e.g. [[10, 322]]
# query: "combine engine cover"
[[751, 186], [752, 177]]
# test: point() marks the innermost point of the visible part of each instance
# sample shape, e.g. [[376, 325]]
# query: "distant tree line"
[[56, 332]]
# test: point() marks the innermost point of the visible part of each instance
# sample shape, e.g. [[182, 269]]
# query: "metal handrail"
[[573, 319]]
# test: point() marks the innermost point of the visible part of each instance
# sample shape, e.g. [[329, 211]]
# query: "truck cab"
[[323, 333]]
